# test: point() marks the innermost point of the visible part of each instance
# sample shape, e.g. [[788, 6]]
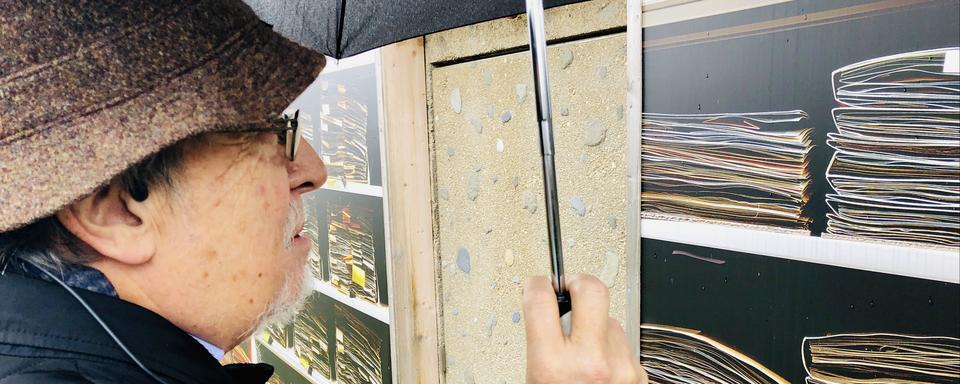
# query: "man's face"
[[231, 247]]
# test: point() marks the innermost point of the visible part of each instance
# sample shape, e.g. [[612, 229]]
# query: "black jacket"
[[46, 336]]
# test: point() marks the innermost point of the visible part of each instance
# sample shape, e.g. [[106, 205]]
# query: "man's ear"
[[114, 224]]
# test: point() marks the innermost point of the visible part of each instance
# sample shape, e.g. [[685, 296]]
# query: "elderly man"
[[151, 200]]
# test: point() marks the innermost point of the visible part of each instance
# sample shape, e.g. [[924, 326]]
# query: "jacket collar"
[[27, 320]]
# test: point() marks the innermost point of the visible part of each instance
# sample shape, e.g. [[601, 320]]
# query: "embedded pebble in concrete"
[[468, 378], [612, 221], [566, 58], [529, 201], [500, 145], [488, 231], [516, 317], [477, 125], [594, 133], [456, 311], [489, 110], [444, 193], [450, 151], [571, 243], [521, 90], [490, 324], [611, 267], [473, 186], [508, 257], [564, 111], [516, 279], [477, 167], [487, 77], [584, 158], [494, 179], [505, 116], [620, 112], [455, 102], [577, 203], [602, 72], [463, 259], [516, 181]]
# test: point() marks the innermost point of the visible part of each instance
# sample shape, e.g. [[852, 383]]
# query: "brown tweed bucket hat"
[[88, 88]]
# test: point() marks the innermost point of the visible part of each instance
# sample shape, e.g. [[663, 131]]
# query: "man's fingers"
[[541, 316], [627, 367], [591, 304]]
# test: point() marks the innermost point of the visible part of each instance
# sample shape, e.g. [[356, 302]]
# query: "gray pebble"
[[612, 221], [577, 203], [477, 167], [505, 116], [490, 324], [477, 125], [620, 112], [516, 317], [564, 111], [571, 243], [611, 267], [444, 193], [500, 145], [516, 182], [494, 179], [473, 186], [602, 72], [468, 378], [521, 91], [489, 110], [594, 133], [456, 311], [455, 102], [487, 77], [463, 259], [529, 201], [566, 58], [584, 158], [516, 279], [450, 151]]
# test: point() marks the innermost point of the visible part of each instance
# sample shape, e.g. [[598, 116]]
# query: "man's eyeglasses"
[[288, 133]]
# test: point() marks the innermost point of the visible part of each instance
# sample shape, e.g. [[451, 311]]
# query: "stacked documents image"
[[311, 337], [896, 169], [881, 358], [352, 252], [736, 167], [685, 356], [343, 135], [358, 350]]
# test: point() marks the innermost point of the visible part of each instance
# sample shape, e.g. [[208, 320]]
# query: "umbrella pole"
[[538, 50]]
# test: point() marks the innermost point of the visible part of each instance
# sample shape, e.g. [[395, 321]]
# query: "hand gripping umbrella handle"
[[538, 50]]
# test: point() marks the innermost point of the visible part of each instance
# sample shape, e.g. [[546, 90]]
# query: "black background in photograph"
[[328, 197], [785, 70], [361, 84], [765, 306]]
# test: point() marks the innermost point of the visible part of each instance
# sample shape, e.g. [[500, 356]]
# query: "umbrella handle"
[[538, 49]]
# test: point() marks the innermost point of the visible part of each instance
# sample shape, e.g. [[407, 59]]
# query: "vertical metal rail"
[[538, 50]]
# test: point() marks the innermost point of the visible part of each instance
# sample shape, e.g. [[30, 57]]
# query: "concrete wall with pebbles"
[[491, 223]]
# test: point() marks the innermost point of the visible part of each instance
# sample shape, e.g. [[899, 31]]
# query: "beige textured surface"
[[507, 243], [511, 32]]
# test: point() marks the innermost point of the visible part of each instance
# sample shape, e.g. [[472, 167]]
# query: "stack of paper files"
[[896, 170], [310, 330], [352, 253], [358, 350], [881, 358], [740, 167], [684, 356], [343, 135]]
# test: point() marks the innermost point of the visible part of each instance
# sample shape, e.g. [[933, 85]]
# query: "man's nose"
[[307, 172]]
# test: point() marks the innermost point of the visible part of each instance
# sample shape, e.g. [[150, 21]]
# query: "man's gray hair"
[[48, 244]]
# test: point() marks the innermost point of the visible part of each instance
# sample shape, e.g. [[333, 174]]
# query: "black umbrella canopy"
[[343, 28]]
